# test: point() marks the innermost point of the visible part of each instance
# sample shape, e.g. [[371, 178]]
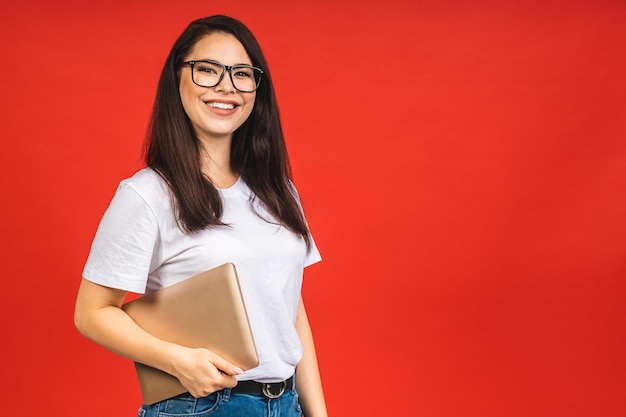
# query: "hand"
[[203, 372]]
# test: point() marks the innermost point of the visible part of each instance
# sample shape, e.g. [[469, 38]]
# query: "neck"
[[215, 161]]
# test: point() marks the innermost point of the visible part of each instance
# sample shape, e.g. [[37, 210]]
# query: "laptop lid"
[[206, 310]]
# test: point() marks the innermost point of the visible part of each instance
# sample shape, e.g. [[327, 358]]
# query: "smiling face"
[[216, 112]]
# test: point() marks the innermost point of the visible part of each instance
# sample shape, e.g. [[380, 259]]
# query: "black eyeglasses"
[[206, 73]]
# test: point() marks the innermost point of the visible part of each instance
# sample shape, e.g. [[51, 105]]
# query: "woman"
[[216, 189]]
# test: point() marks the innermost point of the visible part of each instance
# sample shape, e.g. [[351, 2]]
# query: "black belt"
[[270, 390]]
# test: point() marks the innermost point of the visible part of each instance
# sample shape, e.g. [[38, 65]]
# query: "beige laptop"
[[206, 310]]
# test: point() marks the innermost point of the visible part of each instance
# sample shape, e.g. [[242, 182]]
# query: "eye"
[[242, 72], [208, 68]]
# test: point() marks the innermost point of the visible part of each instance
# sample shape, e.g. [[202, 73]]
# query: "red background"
[[462, 164]]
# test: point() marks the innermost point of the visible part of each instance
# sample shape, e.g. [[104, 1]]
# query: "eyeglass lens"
[[208, 74]]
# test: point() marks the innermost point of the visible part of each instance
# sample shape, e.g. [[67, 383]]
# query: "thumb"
[[225, 366]]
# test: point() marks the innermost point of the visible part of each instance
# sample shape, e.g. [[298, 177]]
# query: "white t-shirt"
[[140, 248]]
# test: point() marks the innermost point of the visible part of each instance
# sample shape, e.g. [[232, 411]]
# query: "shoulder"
[[146, 182], [145, 178], [149, 186]]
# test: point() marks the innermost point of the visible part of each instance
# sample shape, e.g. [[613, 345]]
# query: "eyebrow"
[[220, 62]]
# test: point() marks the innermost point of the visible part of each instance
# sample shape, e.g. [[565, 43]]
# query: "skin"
[[308, 382], [215, 127], [98, 314]]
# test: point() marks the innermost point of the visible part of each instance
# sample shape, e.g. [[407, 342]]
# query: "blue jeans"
[[225, 404]]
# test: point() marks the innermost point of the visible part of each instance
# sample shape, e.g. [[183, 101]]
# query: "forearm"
[[108, 325], [308, 380], [99, 317]]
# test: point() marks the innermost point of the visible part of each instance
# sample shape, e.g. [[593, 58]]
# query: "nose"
[[226, 83]]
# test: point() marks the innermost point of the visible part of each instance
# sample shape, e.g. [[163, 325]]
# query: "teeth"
[[226, 106]]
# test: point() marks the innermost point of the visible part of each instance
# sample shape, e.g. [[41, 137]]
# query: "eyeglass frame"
[[225, 68]]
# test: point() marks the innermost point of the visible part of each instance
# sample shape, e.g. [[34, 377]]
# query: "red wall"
[[463, 168]]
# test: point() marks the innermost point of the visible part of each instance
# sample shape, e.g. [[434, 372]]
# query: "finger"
[[217, 384], [225, 366], [228, 381]]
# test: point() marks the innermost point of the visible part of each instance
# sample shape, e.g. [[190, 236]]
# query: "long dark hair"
[[258, 151]]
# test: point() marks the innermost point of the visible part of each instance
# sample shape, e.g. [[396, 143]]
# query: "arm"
[[99, 317], [308, 381]]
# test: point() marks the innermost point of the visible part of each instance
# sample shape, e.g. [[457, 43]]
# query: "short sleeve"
[[313, 256], [122, 253]]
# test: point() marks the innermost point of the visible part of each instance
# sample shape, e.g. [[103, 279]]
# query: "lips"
[[219, 105]]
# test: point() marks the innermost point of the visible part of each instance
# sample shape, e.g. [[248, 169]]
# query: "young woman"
[[216, 189]]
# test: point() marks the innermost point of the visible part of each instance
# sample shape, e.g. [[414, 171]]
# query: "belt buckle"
[[267, 389]]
